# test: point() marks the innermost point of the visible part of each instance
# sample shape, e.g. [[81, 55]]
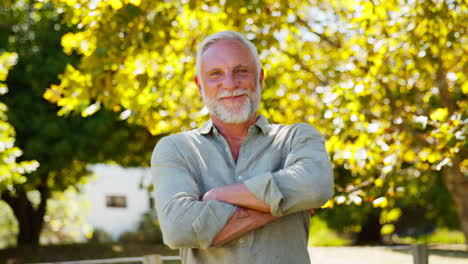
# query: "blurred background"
[[89, 86]]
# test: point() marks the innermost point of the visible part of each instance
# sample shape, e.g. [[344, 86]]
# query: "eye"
[[215, 74], [241, 70]]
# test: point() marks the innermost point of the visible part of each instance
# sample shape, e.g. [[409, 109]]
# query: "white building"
[[117, 197]]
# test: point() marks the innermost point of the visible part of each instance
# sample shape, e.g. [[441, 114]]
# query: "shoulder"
[[183, 137], [172, 144], [304, 128], [295, 130]]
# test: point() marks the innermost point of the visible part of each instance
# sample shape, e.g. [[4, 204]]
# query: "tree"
[[426, 204], [385, 81], [10, 170], [63, 146], [65, 220]]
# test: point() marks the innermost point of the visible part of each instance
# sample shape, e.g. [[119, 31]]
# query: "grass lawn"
[[82, 251], [439, 254], [323, 236]]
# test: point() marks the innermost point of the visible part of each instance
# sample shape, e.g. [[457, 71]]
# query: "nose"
[[229, 82]]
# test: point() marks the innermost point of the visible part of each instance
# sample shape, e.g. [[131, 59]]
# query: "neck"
[[234, 131]]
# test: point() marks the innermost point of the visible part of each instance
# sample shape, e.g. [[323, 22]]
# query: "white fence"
[[420, 254], [419, 251], [148, 259]]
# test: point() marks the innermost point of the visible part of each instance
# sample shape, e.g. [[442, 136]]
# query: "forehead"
[[226, 53]]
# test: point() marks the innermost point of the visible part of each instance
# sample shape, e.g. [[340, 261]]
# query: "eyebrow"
[[241, 66], [235, 67]]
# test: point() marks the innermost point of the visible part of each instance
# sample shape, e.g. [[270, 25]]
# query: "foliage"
[[63, 146], [424, 205], [65, 219], [378, 88], [440, 236], [149, 226], [148, 230], [66, 141], [8, 226], [100, 236], [385, 81], [11, 171], [321, 235]]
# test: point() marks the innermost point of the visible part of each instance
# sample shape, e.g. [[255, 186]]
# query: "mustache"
[[236, 92]]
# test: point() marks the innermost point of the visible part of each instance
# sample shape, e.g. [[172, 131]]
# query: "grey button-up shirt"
[[287, 167]]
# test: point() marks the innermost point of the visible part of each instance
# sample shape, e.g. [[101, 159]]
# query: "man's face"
[[229, 81]]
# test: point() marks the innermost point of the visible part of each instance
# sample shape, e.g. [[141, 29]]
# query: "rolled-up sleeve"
[[186, 222], [305, 182]]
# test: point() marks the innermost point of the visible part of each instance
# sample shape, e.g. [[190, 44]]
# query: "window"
[[151, 203], [116, 201]]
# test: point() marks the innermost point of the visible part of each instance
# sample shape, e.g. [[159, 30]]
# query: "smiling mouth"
[[232, 97]]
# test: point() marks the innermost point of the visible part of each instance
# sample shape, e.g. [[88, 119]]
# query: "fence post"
[[152, 259], [420, 255]]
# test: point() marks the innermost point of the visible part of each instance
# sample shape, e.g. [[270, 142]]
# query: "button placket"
[[228, 150]]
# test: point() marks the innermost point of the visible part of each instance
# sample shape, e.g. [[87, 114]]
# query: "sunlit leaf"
[[387, 229], [439, 114]]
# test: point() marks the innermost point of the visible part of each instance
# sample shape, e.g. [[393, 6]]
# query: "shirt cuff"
[[264, 187], [211, 221]]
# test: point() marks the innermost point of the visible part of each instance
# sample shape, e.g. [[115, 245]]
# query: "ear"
[[261, 78], [197, 82]]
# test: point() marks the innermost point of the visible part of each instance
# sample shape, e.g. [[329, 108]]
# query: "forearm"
[[237, 194], [241, 222], [187, 223]]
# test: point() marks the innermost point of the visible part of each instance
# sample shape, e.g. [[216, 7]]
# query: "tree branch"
[[446, 96], [322, 36], [298, 60]]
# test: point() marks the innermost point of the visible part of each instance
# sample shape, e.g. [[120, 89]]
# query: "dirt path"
[[385, 255]]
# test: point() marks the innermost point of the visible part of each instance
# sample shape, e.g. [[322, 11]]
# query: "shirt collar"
[[206, 128], [261, 123]]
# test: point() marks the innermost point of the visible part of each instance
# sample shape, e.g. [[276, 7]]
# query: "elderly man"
[[237, 190]]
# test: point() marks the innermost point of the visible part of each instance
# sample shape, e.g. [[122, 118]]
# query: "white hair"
[[226, 35]]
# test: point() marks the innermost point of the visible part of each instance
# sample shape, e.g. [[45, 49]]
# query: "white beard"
[[216, 108]]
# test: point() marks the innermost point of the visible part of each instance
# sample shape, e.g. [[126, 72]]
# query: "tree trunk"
[[457, 184], [370, 232], [30, 219]]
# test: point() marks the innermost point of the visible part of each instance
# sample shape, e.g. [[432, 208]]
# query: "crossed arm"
[[251, 213], [227, 212]]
